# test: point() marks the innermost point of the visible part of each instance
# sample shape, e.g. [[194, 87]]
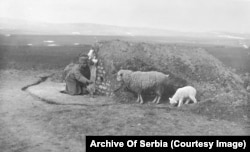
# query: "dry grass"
[[29, 124]]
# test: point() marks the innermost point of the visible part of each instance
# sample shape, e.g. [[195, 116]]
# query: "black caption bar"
[[166, 143]]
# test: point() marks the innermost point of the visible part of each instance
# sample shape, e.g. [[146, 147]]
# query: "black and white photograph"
[[76, 68]]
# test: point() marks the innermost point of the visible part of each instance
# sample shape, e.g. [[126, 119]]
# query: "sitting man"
[[78, 77]]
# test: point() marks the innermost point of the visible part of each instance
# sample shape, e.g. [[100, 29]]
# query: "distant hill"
[[13, 26], [17, 26]]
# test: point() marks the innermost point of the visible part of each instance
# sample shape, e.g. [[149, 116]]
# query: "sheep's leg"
[[158, 95], [188, 100], [180, 102], [138, 98], [159, 98], [141, 99], [193, 98], [155, 99]]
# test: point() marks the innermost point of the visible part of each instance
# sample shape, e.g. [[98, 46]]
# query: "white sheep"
[[138, 81], [181, 94]]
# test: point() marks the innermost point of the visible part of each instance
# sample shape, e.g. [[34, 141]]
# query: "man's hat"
[[83, 59]]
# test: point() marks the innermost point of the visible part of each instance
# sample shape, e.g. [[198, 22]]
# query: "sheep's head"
[[172, 101], [122, 74]]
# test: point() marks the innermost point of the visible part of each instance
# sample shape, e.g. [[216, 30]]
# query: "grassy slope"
[[39, 57], [231, 56], [234, 57]]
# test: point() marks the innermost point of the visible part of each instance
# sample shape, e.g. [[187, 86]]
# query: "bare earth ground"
[[28, 124]]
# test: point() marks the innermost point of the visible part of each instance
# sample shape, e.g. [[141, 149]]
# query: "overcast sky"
[[187, 15]]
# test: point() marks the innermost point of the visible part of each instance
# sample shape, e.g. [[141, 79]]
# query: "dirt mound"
[[186, 65]]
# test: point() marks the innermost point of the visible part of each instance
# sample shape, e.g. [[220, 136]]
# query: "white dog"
[[182, 93]]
